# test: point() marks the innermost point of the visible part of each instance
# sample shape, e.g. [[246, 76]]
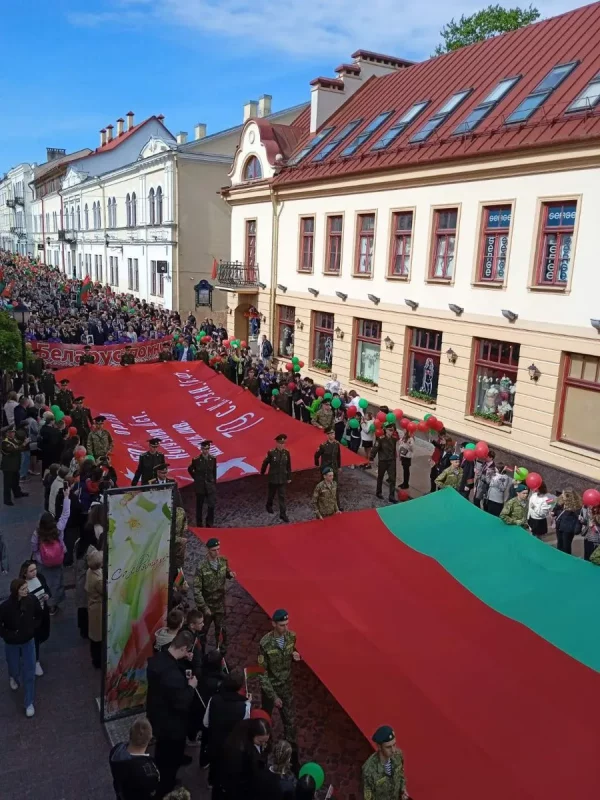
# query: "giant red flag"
[[183, 404]]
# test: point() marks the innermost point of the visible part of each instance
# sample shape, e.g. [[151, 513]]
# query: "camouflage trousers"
[[218, 619], [287, 710]]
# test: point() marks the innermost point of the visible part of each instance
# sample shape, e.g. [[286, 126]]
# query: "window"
[[159, 206], [47, 221], [69, 261], [368, 350], [401, 125], [556, 243], [157, 281], [364, 244], [588, 98], [54, 221], [114, 212], [322, 349], [440, 116], [487, 104], [402, 223], [128, 209], [307, 244], [136, 275], [444, 243], [86, 217], [88, 264], [133, 210], [80, 266], [72, 218], [110, 212], [424, 351], [250, 255], [333, 258], [337, 139], [494, 247], [252, 169], [366, 134], [494, 380], [287, 327], [96, 274], [580, 402], [130, 274], [541, 93], [151, 208], [111, 270], [100, 270], [307, 149], [78, 218]]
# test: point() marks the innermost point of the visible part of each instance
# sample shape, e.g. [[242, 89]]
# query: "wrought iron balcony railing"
[[10, 202], [237, 275]]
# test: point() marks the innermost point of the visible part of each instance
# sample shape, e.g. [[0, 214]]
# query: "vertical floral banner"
[[137, 567]]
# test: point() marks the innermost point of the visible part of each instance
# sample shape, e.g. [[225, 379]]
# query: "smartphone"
[[188, 673]]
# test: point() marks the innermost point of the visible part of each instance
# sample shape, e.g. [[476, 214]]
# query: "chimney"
[[161, 118], [377, 64], [264, 105], [120, 123], [250, 110], [129, 116], [102, 137], [109, 136], [326, 96], [182, 137], [200, 131]]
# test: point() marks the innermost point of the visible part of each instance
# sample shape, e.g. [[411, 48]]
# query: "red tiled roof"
[[116, 140], [282, 139], [531, 52]]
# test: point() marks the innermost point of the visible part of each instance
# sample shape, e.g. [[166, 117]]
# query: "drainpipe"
[[105, 272], [274, 261], [175, 247], [43, 231], [62, 220]]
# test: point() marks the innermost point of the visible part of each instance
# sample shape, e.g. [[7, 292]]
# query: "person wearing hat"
[[383, 772], [279, 463], [203, 470], [329, 454], [128, 357], [82, 419], [148, 462], [385, 448], [86, 357], [48, 385], [516, 509], [65, 397], [324, 497], [468, 473], [324, 417], [100, 441], [166, 353], [209, 593], [452, 475], [276, 653], [12, 449]]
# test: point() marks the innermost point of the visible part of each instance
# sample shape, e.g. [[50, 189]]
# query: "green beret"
[[326, 470], [281, 615], [213, 543], [522, 488], [383, 735]]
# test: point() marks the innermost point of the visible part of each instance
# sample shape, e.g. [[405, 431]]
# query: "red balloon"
[[79, 452], [379, 433], [243, 344], [291, 386], [534, 480], [411, 427], [45, 408], [591, 497], [319, 391], [439, 425], [398, 413], [351, 411], [289, 366], [403, 495], [378, 425], [404, 423], [469, 455], [301, 364], [482, 450], [226, 342], [422, 426], [381, 416], [67, 420], [72, 431], [431, 421]]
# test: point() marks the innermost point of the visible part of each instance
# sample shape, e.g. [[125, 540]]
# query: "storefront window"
[[494, 380], [579, 421], [424, 364], [286, 316]]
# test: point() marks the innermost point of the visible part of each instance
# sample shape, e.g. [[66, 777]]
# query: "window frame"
[[484, 231], [359, 233], [360, 337], [133, 210], [409, 349], [251, 160], [136, 275], [539, 236], [287, 323], [247, 239], [595, 81], [435, 211], [306, 238], [577, 383], [159, 197], [478, 361], [394, 213], [151, 206], [314, 330], [486, 106], [129, 274], [544, 94], [440, 116], [340, 237]]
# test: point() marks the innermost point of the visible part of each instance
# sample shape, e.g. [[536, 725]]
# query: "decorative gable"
[[74, 177], [153, 146], [251, 162]]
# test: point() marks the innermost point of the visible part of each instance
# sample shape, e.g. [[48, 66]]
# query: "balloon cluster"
[[58, 414], [203, 337], [295, 365], [476, 451], [234, 343], [396, 417]]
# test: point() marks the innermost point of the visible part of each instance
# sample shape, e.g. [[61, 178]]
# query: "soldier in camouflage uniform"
[[100, 441], [128, 358], [385, 448], [82, 420], [276, 652], [329, 454], [324, 417], [209, 593], [324, 497], [64, 397], [383, 772], [86, 357], [279, 463], [516, 509], [451, 476], [147, 463]]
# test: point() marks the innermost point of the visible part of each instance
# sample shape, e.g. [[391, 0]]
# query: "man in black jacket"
[[170, 696], [135, 776], [225, 709]]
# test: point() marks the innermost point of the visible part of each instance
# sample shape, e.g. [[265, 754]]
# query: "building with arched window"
[[252, 169]]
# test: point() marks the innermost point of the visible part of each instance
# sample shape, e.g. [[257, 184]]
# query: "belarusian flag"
[[8, 290], [254, 671], [84, 289]]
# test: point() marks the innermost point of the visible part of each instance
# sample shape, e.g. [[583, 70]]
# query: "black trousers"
[[168, 756], [96, 653], [82, 622], [11, 486], [210, 498], [390, 468], [494, 508], [564, 541], [279, 490], [588, 549], [406, 462]]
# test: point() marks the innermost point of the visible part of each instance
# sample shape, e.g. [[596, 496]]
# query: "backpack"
[[52, 553]]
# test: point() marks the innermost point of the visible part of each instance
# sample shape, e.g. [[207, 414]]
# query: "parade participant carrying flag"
[[84, 290]]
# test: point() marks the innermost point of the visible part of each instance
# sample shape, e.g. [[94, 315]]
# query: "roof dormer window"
[[253, 169]]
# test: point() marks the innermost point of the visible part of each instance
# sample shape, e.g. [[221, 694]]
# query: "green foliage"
[[368, 381], [482, 25], [10, 342], [426, 398], [322, 365], [490, 416]]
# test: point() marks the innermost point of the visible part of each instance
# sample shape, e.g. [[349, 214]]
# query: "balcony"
[[234, 276], [10, 202], [19, 200], [18, 232], [70, 237]]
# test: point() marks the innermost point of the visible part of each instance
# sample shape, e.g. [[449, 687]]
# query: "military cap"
[[214, 542], [100, 418], [154, 442], [454, 458], [281, 437], [206, 443], [383, 735], [78, 399], [64, 382], [161, 467], [326, 470], [281, 615], [522, 488]]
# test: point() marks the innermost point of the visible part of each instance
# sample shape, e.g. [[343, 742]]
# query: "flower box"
[[421, 397]]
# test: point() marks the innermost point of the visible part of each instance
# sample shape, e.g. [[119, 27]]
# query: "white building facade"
[[15, 210]]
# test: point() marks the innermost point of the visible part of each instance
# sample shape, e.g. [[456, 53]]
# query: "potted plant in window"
[[321, 365], [491, 417], [421, 396], [366, 381]]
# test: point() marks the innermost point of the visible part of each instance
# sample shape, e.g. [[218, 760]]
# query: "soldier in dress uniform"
[[65, 397], [324, 497], [82, 419], [86, 357], [166, 353], [100, 441], [276, 653], [209, 593], [203, 470], [148, 461], [128, 357], [161, 475], [48, 385], [385, 448], [279, 462], [329, 454], [383, 773]]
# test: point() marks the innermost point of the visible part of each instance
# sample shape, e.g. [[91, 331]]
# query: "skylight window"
[[541, 93], [440, 116], [339, 137], [362, 137], [589, 98], [314, 142], [400, 126], [489, 102]]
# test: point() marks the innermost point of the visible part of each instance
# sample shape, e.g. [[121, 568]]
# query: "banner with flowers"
[[137, 565]]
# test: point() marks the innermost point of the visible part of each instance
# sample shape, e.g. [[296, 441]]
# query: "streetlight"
[[20, 313]]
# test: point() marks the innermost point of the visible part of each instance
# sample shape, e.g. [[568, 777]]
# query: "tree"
[[10, 342], [482, 25]]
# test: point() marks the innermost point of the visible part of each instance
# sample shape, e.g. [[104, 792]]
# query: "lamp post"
[[20, 313]]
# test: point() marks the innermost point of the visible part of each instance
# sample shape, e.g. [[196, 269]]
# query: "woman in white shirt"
[[405, 448], [9, 407], [37, 586], [540, 505], [367, 429]]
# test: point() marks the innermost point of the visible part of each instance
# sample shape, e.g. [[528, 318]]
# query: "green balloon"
[[426, 417], [296, 367], [521, 473], [354, 423], [363, 403], [201, 334], [275, 392], [336, 402], [55, 410], [19, 365], [315, 771], [175, 337], [58, 415], [89, 458], [327, 396], [371, 428], [295, 360], [470, 446], [391, 417]]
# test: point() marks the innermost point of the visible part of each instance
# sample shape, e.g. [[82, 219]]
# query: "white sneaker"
[[29, 711], [13, 684], [38, 669]]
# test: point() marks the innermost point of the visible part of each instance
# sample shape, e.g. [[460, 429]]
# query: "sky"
[[71, 67]]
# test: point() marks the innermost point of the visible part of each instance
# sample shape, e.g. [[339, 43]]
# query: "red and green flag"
[[85, 289]]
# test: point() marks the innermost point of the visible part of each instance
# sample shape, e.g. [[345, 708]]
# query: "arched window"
[[78, 218], [86, 217], [159, 206], [151, 208], [114, 209], [128, 209], [72, 218], [252, 169], [133, 210]]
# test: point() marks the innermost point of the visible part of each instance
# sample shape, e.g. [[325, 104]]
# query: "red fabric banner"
[[59, 355], [182, 404]]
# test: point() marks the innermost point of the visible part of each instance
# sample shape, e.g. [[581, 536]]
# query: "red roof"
[[530, 52], [116, 140]]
